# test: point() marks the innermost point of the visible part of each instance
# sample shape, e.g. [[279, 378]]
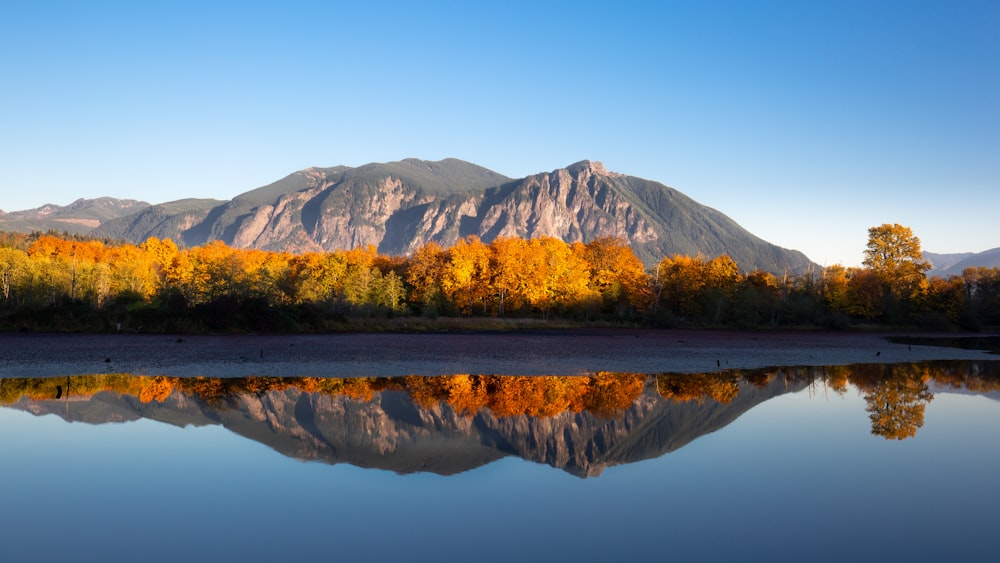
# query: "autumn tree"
[[364, 284], [896, 402], [866, 294], [424, 273], [695, 289], [722, 277], [317, 277], [511, 266], [524, 277], [132, 271], [466, 277], [982, 287], [833, 288], [567, 283], [679, 282], [893, 254], [14, 269], [618, 275], [944, 302], [720, 387], [756, 300], [69, 267], [161, 251]]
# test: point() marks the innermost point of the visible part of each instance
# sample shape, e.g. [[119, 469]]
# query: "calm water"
[[859, 463]]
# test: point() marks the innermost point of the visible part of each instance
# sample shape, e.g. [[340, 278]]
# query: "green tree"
[[14, 267]]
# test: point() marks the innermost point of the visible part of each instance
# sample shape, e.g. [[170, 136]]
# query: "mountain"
[[80, 217], [945, 265], [399, 206], [321, 208]]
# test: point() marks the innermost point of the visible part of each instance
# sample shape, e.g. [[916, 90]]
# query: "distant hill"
[[945, 265], [80, 217], [399, 206]]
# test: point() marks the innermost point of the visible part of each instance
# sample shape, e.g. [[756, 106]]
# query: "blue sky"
[[806, 122]]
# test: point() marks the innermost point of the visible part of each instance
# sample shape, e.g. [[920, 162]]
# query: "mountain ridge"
[[399, 206], [945, 265], [79, 217]]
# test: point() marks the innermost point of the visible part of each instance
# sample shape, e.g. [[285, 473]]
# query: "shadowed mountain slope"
[[80, 217], [953, 264], [399, 206]]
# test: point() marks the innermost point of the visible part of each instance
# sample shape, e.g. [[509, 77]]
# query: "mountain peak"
[[592, 166]]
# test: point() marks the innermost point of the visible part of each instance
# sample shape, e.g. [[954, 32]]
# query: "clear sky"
[[806, 122]]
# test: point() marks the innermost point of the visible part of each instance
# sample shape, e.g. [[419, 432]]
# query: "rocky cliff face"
[[581, 202], [397, 207]]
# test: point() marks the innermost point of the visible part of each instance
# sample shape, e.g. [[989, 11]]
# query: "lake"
[[895, 460]]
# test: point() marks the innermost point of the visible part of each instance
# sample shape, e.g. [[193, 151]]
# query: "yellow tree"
[[866, 295], [680, 280], [14, 268], [317, 277], [132, 270], [519, 273], [69, 265], [893, 254], [424, 273], [261, 275], [722, 276], [568, 281], [204, 273], [535, 284], [617, 273], [946, 296], [161, 252], [896, 400], [466, 278], [360, 275], [834, 288]]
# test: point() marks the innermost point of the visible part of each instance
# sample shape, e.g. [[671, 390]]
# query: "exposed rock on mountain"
[[399, 206], [327, 209]]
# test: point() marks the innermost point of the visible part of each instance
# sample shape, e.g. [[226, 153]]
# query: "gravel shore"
[[516, 353]]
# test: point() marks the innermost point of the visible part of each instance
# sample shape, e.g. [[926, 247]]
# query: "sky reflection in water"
[[798, 476]]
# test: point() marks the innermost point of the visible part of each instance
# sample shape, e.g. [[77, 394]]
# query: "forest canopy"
[[50, 282]]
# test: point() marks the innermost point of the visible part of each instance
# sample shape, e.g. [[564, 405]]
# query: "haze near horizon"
[[807, 124]]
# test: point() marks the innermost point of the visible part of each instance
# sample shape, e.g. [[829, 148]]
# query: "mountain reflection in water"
[[450, 424]]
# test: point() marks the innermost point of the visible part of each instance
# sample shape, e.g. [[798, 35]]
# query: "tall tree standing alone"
[[893, 254]]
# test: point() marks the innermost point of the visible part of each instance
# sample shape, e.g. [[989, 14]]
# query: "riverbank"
[[559, 352]]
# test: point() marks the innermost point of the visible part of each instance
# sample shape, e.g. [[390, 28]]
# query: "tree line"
[[56, 282]]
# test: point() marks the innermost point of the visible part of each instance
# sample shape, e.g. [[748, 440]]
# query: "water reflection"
[[450, 424]]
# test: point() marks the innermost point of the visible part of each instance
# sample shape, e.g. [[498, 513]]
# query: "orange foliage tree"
[[618, 275], [467, 275]]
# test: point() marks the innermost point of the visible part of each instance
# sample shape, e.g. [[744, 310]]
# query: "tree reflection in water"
[[896, 395]]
